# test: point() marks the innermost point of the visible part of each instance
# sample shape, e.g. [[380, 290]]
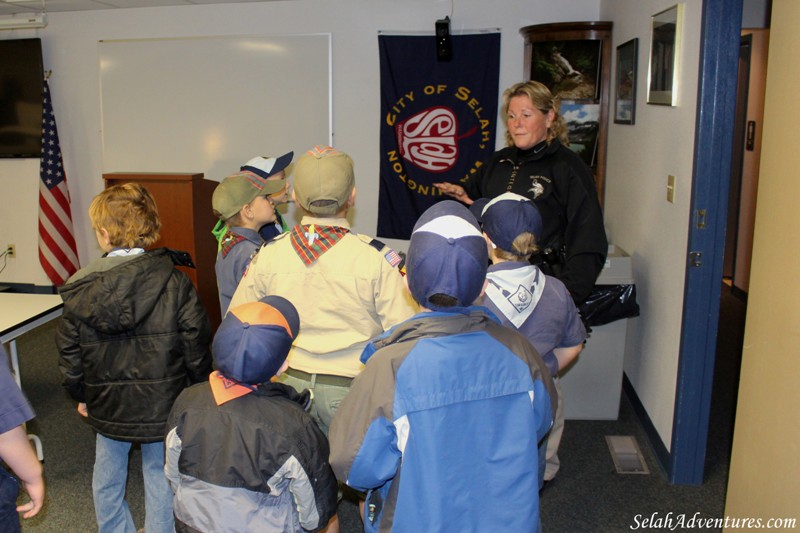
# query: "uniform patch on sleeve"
[[393, 258]]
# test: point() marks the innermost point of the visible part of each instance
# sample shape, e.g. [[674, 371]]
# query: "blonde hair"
[[523, 246], [128, 213], [543, 100]]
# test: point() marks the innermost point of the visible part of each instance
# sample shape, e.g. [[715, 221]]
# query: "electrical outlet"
[[12, 250]]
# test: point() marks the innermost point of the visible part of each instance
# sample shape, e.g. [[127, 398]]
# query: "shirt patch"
[[393, 258], [537, 187]]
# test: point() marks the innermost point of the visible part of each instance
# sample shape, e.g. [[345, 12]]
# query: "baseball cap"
[[323, 180], [266, 166], [505, 217], [446, 255], [254, 338], [240, 189]]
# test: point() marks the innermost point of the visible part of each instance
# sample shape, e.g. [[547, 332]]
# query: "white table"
[[20, 313]]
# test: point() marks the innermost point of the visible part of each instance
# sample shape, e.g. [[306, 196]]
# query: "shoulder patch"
[[393, 258], [375, 243]]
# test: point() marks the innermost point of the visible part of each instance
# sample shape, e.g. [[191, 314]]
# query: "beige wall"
[[639, 218], [765, 464]]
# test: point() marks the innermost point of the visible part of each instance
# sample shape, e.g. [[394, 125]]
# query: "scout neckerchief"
[[229, 240], [311, 241], [227, 389], [516, 292]]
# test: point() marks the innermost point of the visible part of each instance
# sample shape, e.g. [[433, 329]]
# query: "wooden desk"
[[20, 313]]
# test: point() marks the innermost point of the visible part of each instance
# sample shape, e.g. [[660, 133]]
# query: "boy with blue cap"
[[523, 297], [242, 453], [442, 426]]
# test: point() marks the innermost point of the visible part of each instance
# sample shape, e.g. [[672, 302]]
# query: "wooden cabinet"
[[574, 60], [184, 206]]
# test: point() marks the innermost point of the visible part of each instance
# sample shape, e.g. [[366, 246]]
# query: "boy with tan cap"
[[243, 202], [346, 287]]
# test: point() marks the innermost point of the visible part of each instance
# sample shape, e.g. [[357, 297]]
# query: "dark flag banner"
[[438, 120]]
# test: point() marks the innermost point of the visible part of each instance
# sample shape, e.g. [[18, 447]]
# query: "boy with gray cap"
[[347, 287], [242, 453], [442, 426], [245, 204]]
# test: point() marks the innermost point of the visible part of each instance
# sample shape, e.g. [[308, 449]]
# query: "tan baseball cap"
[[238, 190], [323, 180]]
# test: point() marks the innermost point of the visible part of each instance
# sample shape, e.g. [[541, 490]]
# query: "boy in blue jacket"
[[442, 426]]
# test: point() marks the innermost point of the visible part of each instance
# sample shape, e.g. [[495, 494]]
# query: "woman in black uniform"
[[537, 164]]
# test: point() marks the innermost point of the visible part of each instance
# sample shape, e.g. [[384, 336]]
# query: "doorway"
[[745, 160]]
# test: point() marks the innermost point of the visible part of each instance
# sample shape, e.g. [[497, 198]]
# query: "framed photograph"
[[570, 69], [625, 83], [583, 125], [665, 39]]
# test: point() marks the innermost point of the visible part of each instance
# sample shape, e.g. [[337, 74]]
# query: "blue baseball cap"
[[446, 255], [254, 338], [266, 166], [505, 217]]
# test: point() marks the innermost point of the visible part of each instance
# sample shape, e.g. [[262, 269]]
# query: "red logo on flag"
[[430, 138]]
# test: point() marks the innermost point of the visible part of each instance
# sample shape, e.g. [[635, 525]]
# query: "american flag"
[[57, 252]]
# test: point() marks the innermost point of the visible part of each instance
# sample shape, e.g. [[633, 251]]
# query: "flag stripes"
[[57, 250]]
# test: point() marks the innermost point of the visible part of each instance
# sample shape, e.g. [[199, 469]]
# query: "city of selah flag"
[[438, 121]]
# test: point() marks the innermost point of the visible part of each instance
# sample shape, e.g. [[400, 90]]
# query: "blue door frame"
[[719, 59]]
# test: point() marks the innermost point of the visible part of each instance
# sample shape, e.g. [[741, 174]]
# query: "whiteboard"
[[209, 104]]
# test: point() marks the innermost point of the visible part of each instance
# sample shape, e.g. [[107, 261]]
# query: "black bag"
[[608, 303]]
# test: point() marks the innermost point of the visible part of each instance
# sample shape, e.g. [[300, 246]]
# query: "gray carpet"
[[587, 495]]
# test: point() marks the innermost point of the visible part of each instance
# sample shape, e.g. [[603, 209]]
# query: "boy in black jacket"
[[133, 335], [242, 453]]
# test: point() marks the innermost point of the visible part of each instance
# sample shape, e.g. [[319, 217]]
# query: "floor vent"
[[627, 456]]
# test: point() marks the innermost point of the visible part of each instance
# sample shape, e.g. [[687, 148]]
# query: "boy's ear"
[[351, 200], [103, 232]]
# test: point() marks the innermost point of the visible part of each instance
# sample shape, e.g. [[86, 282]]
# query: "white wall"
[[639, 218], [71, 51]]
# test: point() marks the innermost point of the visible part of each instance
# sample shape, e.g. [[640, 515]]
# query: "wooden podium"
[[184, 206]]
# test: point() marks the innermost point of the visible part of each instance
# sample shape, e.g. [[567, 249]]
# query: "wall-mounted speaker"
[[444, 45]]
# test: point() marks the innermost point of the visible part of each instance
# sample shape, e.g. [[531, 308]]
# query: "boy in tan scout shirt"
[[346, 287]]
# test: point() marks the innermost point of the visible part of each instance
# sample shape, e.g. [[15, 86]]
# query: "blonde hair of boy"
[[524, 246], [128, 213]]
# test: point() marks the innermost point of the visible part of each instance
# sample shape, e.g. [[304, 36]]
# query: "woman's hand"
[[454, 191]]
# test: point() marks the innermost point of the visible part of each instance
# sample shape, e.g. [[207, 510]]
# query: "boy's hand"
[[82, 409], [36, 492]]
